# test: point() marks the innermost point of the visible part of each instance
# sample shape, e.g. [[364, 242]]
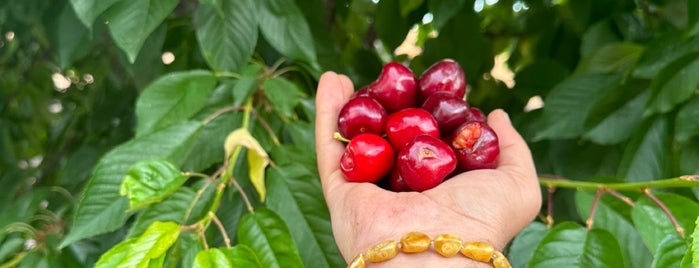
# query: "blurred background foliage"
[[603, 91]]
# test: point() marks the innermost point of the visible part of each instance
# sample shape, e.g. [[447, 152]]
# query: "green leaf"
[[674, 84], [258, 159], [523, 245], [687, 121], [695, 240], [645, 157], [238, 256], [244, 88], [89, 10], [619, 125], [670, 252], [687, 260], [391, 27], [131, 21], [151, 181], [286, 29], [267, 234], [73, 37], [609, 216], [663, 51], [295, 192], [693, 18], [172, 98], [138, 252], [227, 39], [571, 245], [101, 209], [597, 36], [568, 104], [615, 57], [654, 225], [443, 10], [282, 94]]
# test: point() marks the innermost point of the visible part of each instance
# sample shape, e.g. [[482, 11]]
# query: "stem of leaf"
[[677, 182], [226, 239], [667, 211], [549, 206], [593, 208]]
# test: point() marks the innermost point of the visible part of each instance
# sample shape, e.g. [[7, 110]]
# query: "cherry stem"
[[666, 210], [593, 208], [549, 206], [217, 222], [339, 137]]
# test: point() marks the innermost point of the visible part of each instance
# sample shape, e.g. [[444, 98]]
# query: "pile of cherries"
[[410, 134]]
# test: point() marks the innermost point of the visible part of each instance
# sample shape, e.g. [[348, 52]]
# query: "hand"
[[482, 205]]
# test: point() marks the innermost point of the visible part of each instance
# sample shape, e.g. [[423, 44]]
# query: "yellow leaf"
[[257, 157]]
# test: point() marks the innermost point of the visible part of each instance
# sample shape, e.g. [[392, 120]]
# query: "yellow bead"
[[358, 262], [447, 245], [414, 242], [500, 261], [382, 252], [479, 251]]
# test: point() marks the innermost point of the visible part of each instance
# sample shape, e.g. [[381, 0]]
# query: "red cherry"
[[425, 162], [476, 115], [396, 182], [361, 115], [449, 110], [367, 158], [476, 146], [395, 88], [362, 92], [445, 75], [406, 124]]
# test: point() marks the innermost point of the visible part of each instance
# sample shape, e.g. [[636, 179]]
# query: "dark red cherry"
[[361, 115], [367, 158], [445, 75], [477, 115], [395, 88], [396, 182], [362, 92], [425, 162], [406, 124], [449, 110], [476, 146]]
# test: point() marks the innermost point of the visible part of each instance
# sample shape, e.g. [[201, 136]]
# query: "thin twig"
[[621, 197], [200, 232], [242, 194], [221, 229], [593, 208], [221, 111], [549, 206], [667, 211]]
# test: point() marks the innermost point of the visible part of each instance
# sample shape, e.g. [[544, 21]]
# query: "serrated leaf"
[[238, 256], [243, 89], [227, 39], [151, 181], [598, 35], [443, 10], [635, 253], [674, 84], [571, 245], [101, 209], [670, 252], [139, 252], [567, 105], [268, 236], [695, 241], [523, 245], [282, 94], [72, 36], [172, 98], [615, 57], [295, 192], [258, 159], [130, 22], [663, 51], [89, 10], [645, 158], [286, 29], [619, 125], [687, 121], [390, 26], [654, 225]]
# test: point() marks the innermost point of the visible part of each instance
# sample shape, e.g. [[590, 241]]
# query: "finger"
[[515, 156], [333, 92]]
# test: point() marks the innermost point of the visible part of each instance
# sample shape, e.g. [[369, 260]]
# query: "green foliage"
[[111, 154]]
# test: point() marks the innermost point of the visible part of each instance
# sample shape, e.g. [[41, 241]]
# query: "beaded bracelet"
[[447, 245]]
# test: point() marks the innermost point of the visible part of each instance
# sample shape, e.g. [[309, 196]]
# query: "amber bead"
[[447, 245], [358, 262], [479, 251], [500, 261], [382, 252], [414, 242]]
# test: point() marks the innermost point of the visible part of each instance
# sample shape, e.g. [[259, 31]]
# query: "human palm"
[[490, 205]]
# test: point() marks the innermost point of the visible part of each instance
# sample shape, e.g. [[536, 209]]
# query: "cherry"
[[449, 110], [476, 146], [406, 124], [396, 182], [425, 162], [395, 88], [476, 115], [445, 75], [362, 92], [367, 158], [361, 115]]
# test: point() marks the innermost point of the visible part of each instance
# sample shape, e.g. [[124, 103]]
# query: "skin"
[[483, 205]]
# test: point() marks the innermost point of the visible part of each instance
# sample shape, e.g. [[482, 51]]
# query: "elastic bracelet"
[[447, 245]]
